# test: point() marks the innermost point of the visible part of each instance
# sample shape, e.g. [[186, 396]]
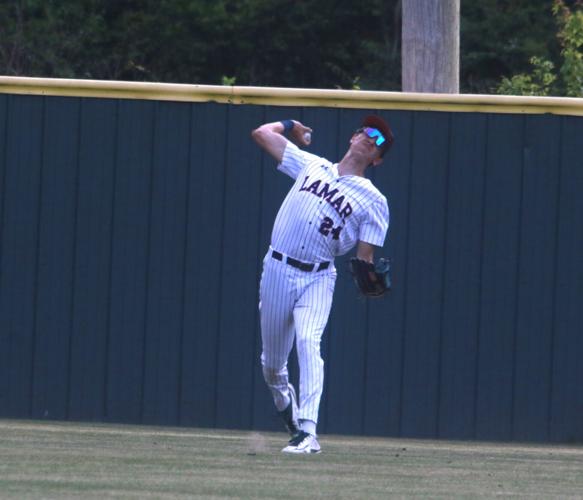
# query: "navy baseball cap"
[[382, 126]]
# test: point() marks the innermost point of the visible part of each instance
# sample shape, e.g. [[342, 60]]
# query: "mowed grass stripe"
[[68, 460]]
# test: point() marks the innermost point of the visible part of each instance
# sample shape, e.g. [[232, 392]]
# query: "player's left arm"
[[373, 279], [373, 230], [365, 251]]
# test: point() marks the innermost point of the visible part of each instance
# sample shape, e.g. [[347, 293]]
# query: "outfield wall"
[[133, 222]]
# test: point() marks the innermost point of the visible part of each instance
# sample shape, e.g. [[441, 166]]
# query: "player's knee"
[[307, 346], [271, 374]]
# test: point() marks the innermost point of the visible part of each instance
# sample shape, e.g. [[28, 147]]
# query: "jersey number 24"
[[327, 227]]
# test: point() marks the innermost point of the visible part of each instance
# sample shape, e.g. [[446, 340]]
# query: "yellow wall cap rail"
[[363, 99]]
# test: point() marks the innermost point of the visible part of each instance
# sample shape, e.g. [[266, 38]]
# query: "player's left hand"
[[373, 280]]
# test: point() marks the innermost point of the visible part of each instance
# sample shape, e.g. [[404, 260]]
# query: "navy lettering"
[[346, 211], [314, 187], [327, 194], [326, 226], [337, 203]]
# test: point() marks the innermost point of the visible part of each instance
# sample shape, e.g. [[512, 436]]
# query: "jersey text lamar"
[[325, 193]]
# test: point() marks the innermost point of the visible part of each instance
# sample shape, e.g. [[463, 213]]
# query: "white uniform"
[[322, 216]]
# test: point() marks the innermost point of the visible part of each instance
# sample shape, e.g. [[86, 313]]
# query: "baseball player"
[[330, 208]]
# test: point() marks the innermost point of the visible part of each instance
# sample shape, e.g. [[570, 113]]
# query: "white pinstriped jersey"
[[325, 214]]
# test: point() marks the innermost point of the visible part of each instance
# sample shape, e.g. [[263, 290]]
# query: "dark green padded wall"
[[131, 239]]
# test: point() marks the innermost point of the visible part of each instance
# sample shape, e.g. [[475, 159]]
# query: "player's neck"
[[350, 165]]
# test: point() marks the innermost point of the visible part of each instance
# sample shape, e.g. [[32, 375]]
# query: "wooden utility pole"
[[430, 50]]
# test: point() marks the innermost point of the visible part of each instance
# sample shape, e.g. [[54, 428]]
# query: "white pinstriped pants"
[[294, 304]]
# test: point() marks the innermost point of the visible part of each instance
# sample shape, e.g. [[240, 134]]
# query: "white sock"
[[308, 426]]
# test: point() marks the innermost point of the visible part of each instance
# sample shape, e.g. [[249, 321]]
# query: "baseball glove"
[[373, 280]]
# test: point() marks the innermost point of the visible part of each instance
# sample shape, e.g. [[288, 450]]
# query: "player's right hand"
[[301, 134]]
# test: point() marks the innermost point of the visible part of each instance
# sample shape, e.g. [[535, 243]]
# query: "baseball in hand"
[[307, 137]]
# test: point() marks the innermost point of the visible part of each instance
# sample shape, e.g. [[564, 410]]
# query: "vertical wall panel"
[[386, 318], [239, 278], [273, 186], [463, 260], [56, 250], [427, 228], [92, 260], [326, 138], [18, 280], [348, 333], [4, 333], [536, 282], [3, 132], [566, 423], [203, 264], [500, 259], [130, 260], [164, 310]]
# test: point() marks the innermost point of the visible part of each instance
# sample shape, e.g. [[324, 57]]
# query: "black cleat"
[[290, 414]]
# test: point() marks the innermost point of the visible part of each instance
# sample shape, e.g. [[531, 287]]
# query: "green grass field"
[[66, 460]]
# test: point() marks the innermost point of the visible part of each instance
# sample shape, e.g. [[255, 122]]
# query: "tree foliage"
[[498, 37], [571, 37], [253, 42], [538, 82], [322, 44], [542, 79]]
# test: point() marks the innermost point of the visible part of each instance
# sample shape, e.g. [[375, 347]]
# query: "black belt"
[[304, 266]]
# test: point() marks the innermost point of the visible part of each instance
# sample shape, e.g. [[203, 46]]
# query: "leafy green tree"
[[322, 44], [571, 36], [43, 38], [311, 43], [542, 80], [498, 37], [253, 42], [539, 82]]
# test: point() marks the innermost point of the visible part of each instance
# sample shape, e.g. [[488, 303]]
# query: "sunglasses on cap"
[[373, 133]]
